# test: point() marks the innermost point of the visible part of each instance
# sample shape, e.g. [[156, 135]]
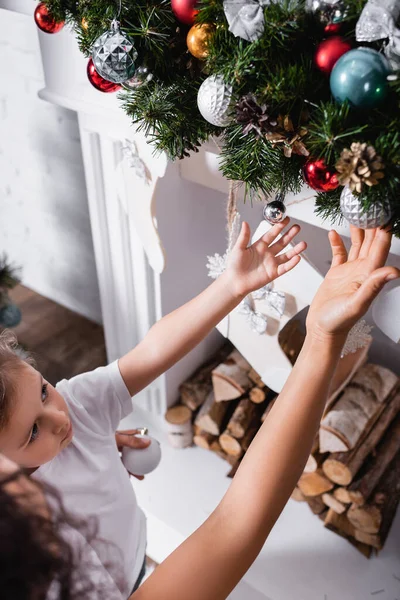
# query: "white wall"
[[44, 219]]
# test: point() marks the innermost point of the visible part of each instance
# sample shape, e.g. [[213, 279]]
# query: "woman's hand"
[[251, 267], [352, 283], [128, 439]]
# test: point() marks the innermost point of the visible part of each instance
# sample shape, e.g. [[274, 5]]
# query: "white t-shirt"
[[89, 472]]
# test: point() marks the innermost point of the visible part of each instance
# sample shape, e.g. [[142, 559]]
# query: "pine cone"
[[358, 166], [254, 117]]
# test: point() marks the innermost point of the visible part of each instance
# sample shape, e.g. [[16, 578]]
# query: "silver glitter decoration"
[[275, 211], [114, 55], [246, 18], [141, 77], [257, 321], [276, 300], [214, 100], [376, 216], [378, 22], [358, 337]]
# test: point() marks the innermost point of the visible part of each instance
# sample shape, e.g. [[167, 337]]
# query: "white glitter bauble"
[[214, 100], [376, 216], [114, 55]]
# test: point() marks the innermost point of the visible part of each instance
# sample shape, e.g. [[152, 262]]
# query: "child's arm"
[[249, 268], [212, 561]]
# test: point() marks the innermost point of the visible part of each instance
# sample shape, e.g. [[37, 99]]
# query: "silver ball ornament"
[[275, 211], [114, 55], [141, 77], [214, 100], [378, 215], [328, 11]]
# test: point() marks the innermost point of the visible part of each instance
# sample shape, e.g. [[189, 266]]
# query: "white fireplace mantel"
[[301, 560]]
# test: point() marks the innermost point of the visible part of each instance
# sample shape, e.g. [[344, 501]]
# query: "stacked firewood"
[[352, 479], [229, 401]]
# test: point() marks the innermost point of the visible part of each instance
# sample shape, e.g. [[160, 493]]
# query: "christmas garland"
[[296, 90]]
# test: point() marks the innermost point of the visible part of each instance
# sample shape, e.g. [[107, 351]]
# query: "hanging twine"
[[231, 208]]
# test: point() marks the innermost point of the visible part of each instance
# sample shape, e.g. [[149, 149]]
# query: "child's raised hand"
[[352, 283], [252, 267]]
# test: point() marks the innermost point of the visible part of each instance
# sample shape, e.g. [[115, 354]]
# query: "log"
[[202, 439], [255, 378], [229, 444], [340, 525], [363, 486], [316, 504], [377, 517], [342, 467], [211, 415], [258, 395], [268, 409], [215, 447], [371, 539], [234, 469], [244, 414], [314, 484], [342, 495], [231, 378], [366, 518], [298, 496], [195, 390], [291, 339], [250, 435], [361, 403], [345, 371], [315, 459], [333, 503]]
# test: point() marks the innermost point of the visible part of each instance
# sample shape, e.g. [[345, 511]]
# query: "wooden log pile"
[[352, 479]]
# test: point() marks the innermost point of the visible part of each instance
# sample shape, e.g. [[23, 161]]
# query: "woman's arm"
[[249, 268], [212, 561]]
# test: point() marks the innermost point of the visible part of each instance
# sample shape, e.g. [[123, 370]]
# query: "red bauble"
[[329, 51], [98, 81], [320, 177], [184, 10], [333, 28], [45, 21]]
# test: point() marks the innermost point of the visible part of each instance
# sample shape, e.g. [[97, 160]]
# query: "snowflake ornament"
[[359, 337]]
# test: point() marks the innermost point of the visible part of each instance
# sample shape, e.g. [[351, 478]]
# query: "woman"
[[210, 563]]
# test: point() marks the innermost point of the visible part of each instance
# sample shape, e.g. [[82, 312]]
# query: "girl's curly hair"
[[34, 554]]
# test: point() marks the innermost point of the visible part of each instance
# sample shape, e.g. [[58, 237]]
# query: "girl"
[[209, 564], [65, 435]]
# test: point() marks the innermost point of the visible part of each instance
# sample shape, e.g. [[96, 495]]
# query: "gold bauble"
[[84, 23], [198, 38]]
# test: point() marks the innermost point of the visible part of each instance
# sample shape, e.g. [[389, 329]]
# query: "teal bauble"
[[360, 76]]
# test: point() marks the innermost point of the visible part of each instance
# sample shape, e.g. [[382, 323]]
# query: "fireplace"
[[153, 226]]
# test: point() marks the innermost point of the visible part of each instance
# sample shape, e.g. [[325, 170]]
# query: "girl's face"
[[39, 426]]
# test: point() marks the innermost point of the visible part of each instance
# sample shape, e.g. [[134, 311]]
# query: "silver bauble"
[[142, 75], [275, 211], [378, 215], [328, 11], [114, 55], [214, 100]]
